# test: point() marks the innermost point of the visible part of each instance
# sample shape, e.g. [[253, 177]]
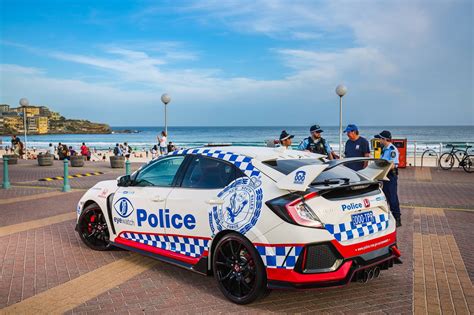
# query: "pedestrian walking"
[[356, 146], [285, 139], [317, 144], [163, 143], [390, 187]]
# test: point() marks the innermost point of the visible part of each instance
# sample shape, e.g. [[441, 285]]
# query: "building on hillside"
[[42, 122], [13, 122], [31, 125], [32, 111], [4, 108], [44, 111], [55, 116]]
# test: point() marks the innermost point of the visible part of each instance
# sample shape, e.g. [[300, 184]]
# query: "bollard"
[[127, 167], [6, 181], [66, 186]]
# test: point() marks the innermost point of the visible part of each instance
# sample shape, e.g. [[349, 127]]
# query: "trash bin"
[[400, 144], [376, 148]]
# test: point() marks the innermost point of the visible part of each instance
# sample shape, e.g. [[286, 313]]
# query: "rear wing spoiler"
[[377, 170], [301, 178]]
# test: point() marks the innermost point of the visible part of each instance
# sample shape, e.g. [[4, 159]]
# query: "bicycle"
[[466, 160]]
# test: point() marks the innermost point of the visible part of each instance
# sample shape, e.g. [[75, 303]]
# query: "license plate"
[[361, 218]]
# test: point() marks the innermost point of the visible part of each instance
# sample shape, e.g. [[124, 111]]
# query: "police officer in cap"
[[285, 139], [316, 144], [390, 153]]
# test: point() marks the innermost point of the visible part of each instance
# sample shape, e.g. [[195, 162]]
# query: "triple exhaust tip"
[[369, 274]]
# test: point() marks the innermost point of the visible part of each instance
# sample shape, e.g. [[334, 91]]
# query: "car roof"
[[265, 153]]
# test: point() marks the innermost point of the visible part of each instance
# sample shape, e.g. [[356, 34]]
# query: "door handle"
[[158, 199], [215, 201]]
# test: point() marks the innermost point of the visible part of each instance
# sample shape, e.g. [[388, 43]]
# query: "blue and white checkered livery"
[[348, 231], [189, 246], [281, 257], [244, 163]]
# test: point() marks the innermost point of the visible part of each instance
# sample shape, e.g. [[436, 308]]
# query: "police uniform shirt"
[[357, 148], [304, 144], [390, 153]]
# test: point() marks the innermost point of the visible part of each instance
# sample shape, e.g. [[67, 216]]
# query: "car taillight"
[[301, 213], [293, 209]]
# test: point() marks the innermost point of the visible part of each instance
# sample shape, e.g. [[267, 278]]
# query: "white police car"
[[256, 218]]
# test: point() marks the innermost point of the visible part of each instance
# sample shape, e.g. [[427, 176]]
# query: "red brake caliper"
[[91, 220]]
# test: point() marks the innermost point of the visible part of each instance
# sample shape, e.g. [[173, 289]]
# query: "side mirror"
[[124, 181]]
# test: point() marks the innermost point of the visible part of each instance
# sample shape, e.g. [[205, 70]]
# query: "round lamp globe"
[[341, 90], [24, 102], [165, 98]]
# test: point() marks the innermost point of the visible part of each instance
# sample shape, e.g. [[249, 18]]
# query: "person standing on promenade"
[[63, 151], [72, 152], [317, 144], [14, 142], [390, 187], [285, 139], [85, 151], [163, 143], [50, 149], [356, 146], [127, 150], [117, 150]]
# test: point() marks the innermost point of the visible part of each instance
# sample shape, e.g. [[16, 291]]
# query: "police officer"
[[285, 139], [390, 153], [316, 144]]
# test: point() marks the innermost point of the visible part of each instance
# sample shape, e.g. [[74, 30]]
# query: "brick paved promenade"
[[45, 268]]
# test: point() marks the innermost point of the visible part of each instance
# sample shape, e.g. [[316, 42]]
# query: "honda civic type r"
[[256, 218]]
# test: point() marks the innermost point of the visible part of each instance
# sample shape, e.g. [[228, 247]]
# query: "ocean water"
[[425, 136]]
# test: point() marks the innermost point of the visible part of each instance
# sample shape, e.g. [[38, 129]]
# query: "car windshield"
[[338, 174]]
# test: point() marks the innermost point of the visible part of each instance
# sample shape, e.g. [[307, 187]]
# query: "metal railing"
[[430, 147]]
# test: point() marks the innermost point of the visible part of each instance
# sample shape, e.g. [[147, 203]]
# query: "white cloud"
[[391, 59]]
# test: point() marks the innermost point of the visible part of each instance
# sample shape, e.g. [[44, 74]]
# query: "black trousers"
[[390, 189]]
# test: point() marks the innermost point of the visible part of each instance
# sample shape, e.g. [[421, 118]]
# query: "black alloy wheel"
[[93, 229], [239, 270]]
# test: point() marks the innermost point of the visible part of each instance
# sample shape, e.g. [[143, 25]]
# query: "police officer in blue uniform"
[[316, 144], [390, 153]]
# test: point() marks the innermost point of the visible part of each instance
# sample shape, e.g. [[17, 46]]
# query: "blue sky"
[[241, 62]]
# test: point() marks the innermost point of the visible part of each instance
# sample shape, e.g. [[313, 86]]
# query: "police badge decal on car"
[[241, 208]]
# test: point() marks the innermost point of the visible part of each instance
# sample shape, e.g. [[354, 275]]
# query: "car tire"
[[238, 269], [93, 229]]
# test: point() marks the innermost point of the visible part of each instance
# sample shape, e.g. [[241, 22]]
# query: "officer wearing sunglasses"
[[316, 144]]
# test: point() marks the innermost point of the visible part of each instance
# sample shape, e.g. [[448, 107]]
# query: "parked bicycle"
[[466, 160]]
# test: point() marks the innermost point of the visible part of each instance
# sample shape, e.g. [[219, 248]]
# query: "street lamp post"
[[24, 103], [341, 90], [165, 98]]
